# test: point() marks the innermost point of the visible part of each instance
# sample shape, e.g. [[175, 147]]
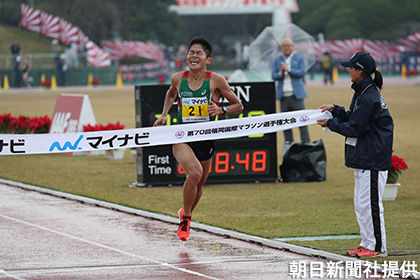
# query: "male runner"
[[203, 89]]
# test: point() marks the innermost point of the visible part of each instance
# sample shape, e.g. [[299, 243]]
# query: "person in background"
[[199, 92], [21, 69], [25, 65], [327, 67], [82, 53], [289, 70], [72, 59], [369, 129], [56, 50], [17, 72], [61, 69], [15, 49]]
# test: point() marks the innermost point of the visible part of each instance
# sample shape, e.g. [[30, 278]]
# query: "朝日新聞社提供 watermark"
[[349, 269]]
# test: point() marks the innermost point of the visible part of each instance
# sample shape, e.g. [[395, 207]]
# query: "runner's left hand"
[[213, 109]]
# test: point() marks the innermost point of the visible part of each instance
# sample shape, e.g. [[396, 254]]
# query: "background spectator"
[[288, 70], [15, 49], [327, 67], [17, 72], [61, 68], [25, 67], [71, 55], [56, 50]]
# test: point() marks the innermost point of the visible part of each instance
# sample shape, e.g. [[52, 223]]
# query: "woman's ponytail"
[[378, 80]]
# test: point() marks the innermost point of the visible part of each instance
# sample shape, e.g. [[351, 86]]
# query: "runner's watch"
[[224, 108]]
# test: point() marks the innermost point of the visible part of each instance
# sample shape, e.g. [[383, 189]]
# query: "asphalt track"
[[46, 234]]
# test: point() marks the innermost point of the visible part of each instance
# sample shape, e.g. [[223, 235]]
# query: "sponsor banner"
[[217, 7], [230, 3], [135, 72], [17, 144], [71, 113]]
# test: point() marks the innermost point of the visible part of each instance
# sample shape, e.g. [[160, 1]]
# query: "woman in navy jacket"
[[368, 128]]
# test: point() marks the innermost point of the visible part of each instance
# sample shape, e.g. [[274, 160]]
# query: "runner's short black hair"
[[203, 42]]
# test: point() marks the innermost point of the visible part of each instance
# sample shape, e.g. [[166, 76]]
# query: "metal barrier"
[[38, 60], [74, 76]]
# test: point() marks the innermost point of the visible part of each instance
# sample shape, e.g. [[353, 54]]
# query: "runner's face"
[[197, 58]]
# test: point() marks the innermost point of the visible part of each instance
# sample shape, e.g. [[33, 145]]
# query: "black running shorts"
[[203, 150]]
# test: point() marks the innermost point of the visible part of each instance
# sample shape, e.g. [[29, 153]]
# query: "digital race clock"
[[237, 160]]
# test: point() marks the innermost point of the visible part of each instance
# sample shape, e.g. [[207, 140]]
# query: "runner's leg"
[[193, 170], [206, 168]]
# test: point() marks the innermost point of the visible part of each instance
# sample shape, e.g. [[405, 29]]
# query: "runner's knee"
[[195, 174]]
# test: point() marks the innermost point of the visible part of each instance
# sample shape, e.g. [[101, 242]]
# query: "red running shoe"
[[184, 229], [353, 253]]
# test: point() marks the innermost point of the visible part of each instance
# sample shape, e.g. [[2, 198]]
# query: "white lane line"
[[322, 237], [9, 276], [30, 272], [108, 247]]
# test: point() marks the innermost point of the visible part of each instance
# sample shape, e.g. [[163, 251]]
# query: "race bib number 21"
[[194, 109]]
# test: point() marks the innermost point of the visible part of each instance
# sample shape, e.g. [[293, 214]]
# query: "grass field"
[[30, 42], [270, 210]]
